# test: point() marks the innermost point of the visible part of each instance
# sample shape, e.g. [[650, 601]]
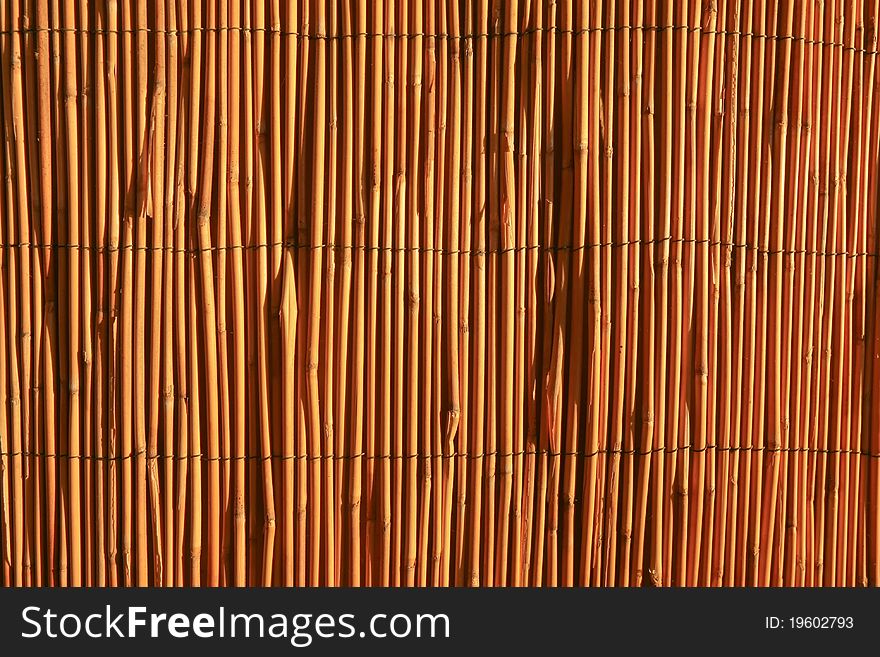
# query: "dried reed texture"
[[439, 293]]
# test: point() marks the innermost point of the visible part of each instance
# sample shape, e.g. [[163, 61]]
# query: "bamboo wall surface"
[[439, 293]]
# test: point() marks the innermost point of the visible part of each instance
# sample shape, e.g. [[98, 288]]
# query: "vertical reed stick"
[[328, 476], [645, 102], [477, 442], [127, 298], [342, 423], [415, 83], [315, 280], [22, 102], [32, 341], [549, 392], [702, 282], [263, 171], [531, 367], [203, 194], [778, 430], [518, 383], [427, 231], [606, 133], [725, 75], [86, 319], [222, 271], [155, 193], [44, 345], [238, 286], [401, 86], [453, 322], [182, 386], [507, 244], [274, 216], [587, 163], [385, 383], [7, 450], [17, 290], [289, 324], [462, 501], [621, 309], [354, 495], [657, 564]]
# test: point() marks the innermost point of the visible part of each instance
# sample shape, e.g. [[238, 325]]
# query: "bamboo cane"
[[621, 310], [588, 153], [401, 82], [315, 279], [824, 245], [138, 210], [814, 360], [530, 305], [193, 558], [520, 253], [478, 441], [871, 522], [847, 561], [167, 285], [153, 162], [236, 247], [32, 339], [507, 244], [702, 374], [794, 338], [717, 565], [676, 472], [328, 431], [558, 354], [415, 83], [222, 272], [182, 386], [22, 101], [43, 346], [63, 390], [745, 348], [18, 199], [518, 221], [342, 425], [802, 391], [383, 167], [427, 232], [606, 135], [202, 196], [634, 317], [843, 300], [451, 510], [273, 214], [715, 311], [288, 529], [492, 521], [645, 102], [863, 364], [262, 288], [86, 318], [7, 450], [355, 489], [547, 403], [6, 490]]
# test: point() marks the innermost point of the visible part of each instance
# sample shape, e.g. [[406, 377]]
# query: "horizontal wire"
[[392, 457], [436, 250], [277, 31]]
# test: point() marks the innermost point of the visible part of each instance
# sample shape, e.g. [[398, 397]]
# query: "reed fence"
[[439, 293]]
